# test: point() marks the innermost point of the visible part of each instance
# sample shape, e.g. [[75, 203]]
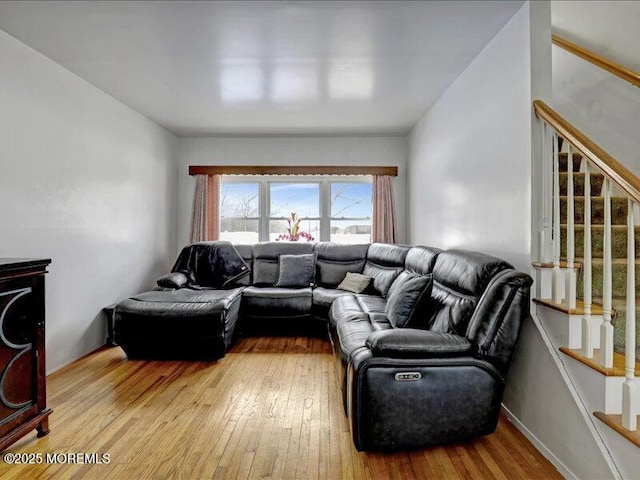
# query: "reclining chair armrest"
[[173, 280], [415, 343]]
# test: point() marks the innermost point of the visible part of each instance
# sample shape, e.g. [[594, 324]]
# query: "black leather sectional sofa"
[[436, 380]]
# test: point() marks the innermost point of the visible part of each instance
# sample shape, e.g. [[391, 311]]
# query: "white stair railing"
[[557, 273], [570, 293], [587, 332], [606, 329], [627, 184], [629, 396]]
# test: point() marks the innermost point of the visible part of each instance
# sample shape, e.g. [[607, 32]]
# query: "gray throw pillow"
[[296, 271], [355, 282], [407, 299]]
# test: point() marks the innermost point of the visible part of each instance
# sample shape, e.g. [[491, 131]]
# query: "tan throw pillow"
[[355, 282]]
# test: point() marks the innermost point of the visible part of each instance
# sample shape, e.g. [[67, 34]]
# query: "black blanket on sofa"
[[211, 264]]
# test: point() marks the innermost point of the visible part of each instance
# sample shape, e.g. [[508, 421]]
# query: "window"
[[254, 208], [240, 212], [301, 198], [351, 211]]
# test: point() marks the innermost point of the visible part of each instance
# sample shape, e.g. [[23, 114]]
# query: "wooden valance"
[[289, 170]]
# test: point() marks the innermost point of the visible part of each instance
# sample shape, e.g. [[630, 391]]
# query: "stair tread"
[[615, 422], [593, 363], [579, 310]]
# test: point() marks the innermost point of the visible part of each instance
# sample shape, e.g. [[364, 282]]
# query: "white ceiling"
[[279, 67]]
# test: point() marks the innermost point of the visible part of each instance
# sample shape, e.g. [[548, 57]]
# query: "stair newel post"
[[570, 293], [557, 273], [587, 334], [629, 395], [606, 329]]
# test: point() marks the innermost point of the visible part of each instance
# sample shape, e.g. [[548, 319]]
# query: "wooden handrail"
[[601, 160], [290, 170], [598, 60]]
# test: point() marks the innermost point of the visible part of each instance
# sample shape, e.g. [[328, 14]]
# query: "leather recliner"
[[443, 382]]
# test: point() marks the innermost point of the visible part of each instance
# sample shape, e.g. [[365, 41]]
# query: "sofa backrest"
[[246, 251], [265, 259], [421, 259], [384, 263], [460, 277], [335, 260]]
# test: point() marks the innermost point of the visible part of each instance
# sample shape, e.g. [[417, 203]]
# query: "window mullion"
[[264, 210], [325, 210]]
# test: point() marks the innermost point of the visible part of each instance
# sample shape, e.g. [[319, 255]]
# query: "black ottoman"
[[177, 324]]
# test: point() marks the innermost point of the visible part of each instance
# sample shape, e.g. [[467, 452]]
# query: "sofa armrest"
[[173, 280], [415, 343]]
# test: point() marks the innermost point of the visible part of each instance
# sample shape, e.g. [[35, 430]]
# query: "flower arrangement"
[[294, 234]]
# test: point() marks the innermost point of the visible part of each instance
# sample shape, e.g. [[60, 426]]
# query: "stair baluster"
[[571, 280], [557, 273], [606, 329], [587, 334], [629, 395]]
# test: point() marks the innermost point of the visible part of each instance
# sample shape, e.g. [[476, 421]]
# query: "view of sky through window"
[[302, 198]]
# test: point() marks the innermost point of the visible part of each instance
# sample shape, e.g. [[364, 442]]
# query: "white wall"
[[85, 181], [601, 105], [469, 176], [470, 162], [273, 150]]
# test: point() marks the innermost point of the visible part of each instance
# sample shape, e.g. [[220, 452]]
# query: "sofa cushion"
[[296, 271], [323, 298], [267, 302], [184, 302], [355, 282], [407, 299], [370, 305], [265, 259], [326, 296], [335, 260]]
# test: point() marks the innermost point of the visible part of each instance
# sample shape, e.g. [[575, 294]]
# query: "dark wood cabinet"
[[23, 404]]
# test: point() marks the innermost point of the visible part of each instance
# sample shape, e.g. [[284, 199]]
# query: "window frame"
[[264, 201]]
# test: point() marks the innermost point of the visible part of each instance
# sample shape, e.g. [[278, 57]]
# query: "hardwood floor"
[[269, 409]]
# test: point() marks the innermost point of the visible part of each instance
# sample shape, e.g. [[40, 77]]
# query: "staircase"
[[588, 281], [619, 231]]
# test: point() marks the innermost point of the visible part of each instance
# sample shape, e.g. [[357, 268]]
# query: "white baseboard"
[[548, 454]]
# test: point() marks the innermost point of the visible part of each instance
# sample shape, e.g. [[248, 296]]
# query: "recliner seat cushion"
[[182, 302], [267, 302], [371, 306], [326, 296]]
